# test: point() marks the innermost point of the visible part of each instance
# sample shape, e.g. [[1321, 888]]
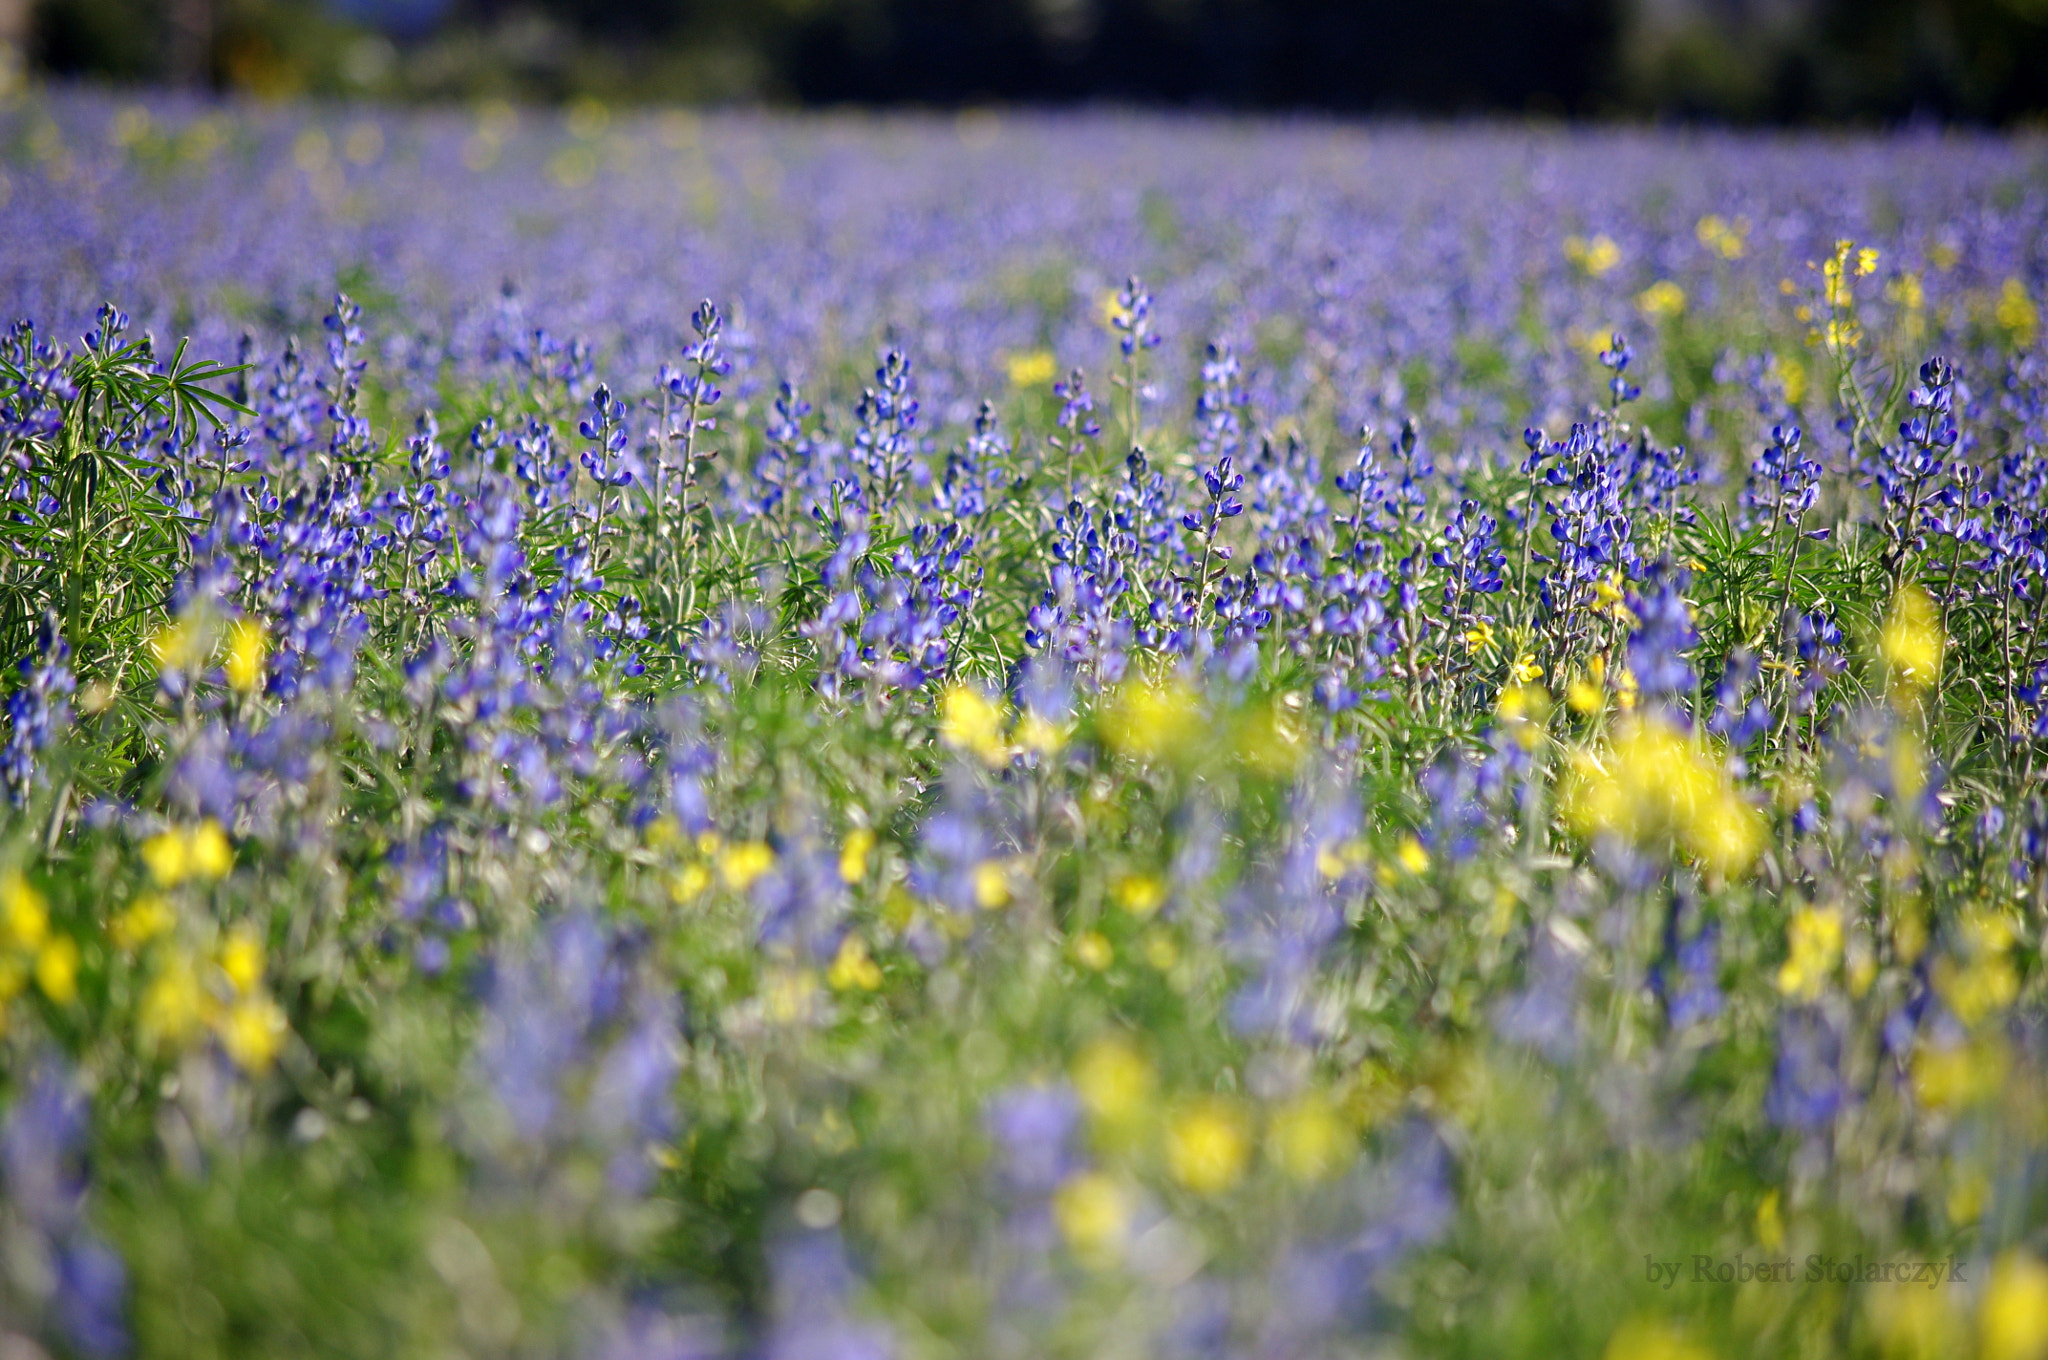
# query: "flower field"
[[1092, 735]]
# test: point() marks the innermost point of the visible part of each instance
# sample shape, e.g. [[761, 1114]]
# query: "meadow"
[[1075, 735]]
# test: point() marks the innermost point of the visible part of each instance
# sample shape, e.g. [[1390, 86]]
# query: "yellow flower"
[[853, 968], [2017, 315], [741, 864], [1479, 639], [853, 855], [1656, 782], [1093, 1214], [1950, 1078], [1815, 947], [1770, 1224], [57, 969], [1113, 1080], [1032, 368], [1271, 740], [252, 1032], [1649, 1339], [789, 994], [241, 958], [1092, 950], [1306, 1138], [1411, 856], [991, 885], [1525, 671], [1661, 301], [23, 911], [970, 721], [248, 648], [1724, 238], [1036, 732], [1160, 950], [2014, 1319], [1911, 640], [1153, 720], [1866, 262], [1791, 376], [174, 1005], [199, 852], [1207, 1147], [1595, 258], [183, 644], [1140, 894], [688, 883], [147, 917]]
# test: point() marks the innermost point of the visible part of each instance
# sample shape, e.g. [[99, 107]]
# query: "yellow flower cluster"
[[1814, 949], [190, 641], [1725, 238], [1661, 301], [198, 853], [1031, 368], [972, 722], [1911, 641], [1654, 783], [2017, 314], [1154, 721], [30, 949], [190, 996], [1595, 258]]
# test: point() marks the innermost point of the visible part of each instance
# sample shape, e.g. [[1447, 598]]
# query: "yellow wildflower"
[[1952, 1077], [23, 911], [1031, 368], [198, 852], [1113, 1080], [1911, 640], [853, 855], [2017, 315], [1306, 1138], [252, 1032], [1866, 262], [1093, 951], [1480, 638], [688, 883], [1525, 671], [1140, 894], [853, 968], [1656, 782], [57, 969], [991, 885], [1207, 1147], [147, 917], [1153, 720], [739, 865], [1160, 950], [183, 644], [1661, 301], [1036, 732], [970, 721], [1791, 376], [1649, 1339], [1770, 1224], [248, 648], [1596, 258], [241, 958], [2014, 1317], [174, 1005], [1411, 856], [1093, 1214], [1815, 947]]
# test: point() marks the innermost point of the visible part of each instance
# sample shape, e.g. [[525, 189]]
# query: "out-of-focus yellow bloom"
[[970, 721], [2017, 314], [2013, 1324], [741, 864], [174, 1005], [1814, 948], [1111, 309], [1770, 1223], [1655, 782], [1907, 292], [183, 644], [1610, 596], [147, 917], [688, 883], [1271, 741], [1411, 856], [1113, 1080], [197, 852], [23, 912], [1093, 1213], [1951, 1078], [1093, 951], [1523, 710], [853, 855], [248, 649], [1307, 1138], [1916, 1324], [13, 981], [1911, 640], [1653, 1339], [1140, 894], [852, 968], [1595, 258], [1661, 301], [57, 969], [1036, 732], [1726, 239], [252, 1032], [1866, 262], [789, 995], [1152, 721], [1967, 1195], [241, 958], [1791, 376], [1207, 1147], [991, 885], [1031, 368], [1160, 950]]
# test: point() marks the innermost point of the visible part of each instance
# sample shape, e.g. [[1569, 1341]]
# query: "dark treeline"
[[1743, 60]]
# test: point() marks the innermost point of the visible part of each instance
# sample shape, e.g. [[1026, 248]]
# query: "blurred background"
[[1751, 61]]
